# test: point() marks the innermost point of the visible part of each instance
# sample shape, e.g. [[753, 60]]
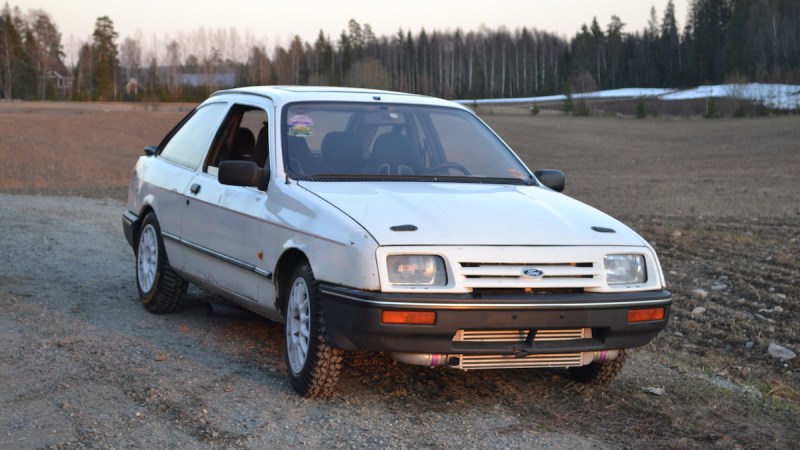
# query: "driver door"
[[226, 224]]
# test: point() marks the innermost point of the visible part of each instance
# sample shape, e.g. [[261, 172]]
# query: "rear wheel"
[[599, 373], [313, 364], [160, 288]]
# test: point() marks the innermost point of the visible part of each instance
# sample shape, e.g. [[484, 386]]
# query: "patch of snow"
[[626, 93], [697, 93], [774, 96], [499, 101]]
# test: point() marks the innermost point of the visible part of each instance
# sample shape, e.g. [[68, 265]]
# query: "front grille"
[[516, 336], [468, 362], [531, 291], [569, 275]]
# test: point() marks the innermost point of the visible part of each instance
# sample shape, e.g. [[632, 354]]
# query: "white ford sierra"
[[383, 221]]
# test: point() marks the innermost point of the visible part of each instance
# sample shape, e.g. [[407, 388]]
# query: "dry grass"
[[717, 199], [76, 149]]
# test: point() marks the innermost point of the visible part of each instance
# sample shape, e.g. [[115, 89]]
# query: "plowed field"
[[82, 365]]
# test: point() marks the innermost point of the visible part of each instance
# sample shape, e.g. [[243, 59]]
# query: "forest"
[[721, 41]]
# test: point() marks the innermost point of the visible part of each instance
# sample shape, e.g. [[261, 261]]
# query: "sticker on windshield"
[[516, 173], [300, 125]]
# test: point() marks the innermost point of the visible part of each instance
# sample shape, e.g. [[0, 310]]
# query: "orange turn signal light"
[[645, 315], [408, 317]]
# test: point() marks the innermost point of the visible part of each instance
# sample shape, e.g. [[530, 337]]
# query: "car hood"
[[471, 214]]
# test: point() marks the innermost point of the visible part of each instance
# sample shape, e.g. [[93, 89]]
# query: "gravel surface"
[[83, 365]]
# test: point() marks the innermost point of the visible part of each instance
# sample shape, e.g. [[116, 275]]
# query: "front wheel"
[[160, 288], [313, 364]]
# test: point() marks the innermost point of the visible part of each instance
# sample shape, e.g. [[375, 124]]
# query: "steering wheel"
[[449, 165]]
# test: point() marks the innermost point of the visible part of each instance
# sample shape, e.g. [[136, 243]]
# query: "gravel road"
[[82, 365]]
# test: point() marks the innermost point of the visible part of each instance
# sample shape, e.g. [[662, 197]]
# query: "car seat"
[[243, 145], [343, 152], [261, 150], [394, 154]]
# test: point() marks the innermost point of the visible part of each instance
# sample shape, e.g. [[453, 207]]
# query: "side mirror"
[[150, 150], [243, 173], [554, 179]]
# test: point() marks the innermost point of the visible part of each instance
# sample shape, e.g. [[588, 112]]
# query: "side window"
[[188, 146], [243, 137]]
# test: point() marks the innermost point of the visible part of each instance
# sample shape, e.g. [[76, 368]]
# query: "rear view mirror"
[[243, 173], [554, 179]]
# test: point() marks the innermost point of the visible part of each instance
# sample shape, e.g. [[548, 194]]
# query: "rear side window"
[[189, 145]]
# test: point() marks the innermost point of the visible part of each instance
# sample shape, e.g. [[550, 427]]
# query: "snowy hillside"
[[774, 96]]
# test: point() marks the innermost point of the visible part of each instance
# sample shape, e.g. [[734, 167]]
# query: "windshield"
[[357, 141]]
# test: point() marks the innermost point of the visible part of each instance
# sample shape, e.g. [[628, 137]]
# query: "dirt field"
[[82, 365]]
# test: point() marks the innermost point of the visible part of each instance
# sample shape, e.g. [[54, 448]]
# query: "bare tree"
[[130, 57], [46, 49], [173, 62]]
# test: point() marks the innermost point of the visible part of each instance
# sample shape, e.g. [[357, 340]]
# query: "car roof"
[[281, 95]]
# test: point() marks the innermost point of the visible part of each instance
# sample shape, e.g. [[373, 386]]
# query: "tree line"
[[721, 41]]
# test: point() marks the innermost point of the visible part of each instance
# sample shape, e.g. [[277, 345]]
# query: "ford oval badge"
[[532, 273]]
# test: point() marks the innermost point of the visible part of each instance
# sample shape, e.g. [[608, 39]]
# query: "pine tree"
[[641, 112], [711, 20], [614, 53], [105, 55], [12, 53], [568, 106], [670, 46]]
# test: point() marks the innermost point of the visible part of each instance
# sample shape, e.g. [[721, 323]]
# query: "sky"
[[272, 23]]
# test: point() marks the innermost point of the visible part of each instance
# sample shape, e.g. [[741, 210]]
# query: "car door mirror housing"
[[243, 173], [554, 179]]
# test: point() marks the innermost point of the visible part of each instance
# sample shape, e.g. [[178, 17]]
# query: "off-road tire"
[[161, 290], [315, 372], [599, 373]]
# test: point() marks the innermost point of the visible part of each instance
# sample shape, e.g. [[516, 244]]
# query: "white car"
[[383, 221]]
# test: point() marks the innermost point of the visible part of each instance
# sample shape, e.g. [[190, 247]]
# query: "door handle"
[[195, 188]]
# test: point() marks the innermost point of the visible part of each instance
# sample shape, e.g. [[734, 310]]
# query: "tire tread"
[[318, 380], [169, 288]]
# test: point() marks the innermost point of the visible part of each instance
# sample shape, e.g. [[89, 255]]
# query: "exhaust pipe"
[[421, 359], [604, 355]]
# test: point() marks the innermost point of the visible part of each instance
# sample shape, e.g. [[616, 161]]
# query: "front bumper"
[[353, 320]]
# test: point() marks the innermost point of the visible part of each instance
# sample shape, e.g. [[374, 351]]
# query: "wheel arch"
[[284, 269], [137, 228]]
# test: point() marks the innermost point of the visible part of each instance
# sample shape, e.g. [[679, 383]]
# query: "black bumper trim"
[[129, 221], [501, 301], [353, 320]]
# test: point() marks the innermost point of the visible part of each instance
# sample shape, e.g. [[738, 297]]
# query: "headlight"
[[625, 269], [411, 270]]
